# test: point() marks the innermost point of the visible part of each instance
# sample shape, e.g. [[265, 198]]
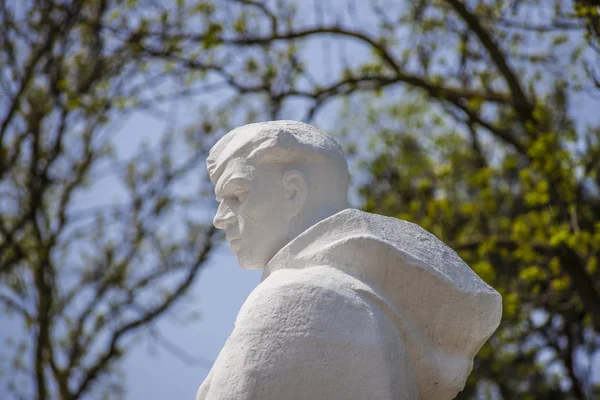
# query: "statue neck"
[[312, 214]]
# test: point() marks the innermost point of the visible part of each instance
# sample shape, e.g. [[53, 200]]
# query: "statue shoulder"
[[309, 298]]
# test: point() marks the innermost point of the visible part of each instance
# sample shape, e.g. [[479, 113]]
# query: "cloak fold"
[[358, 290], [444, 311]]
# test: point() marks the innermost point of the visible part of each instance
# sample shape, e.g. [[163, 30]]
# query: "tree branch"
[[523, 106], [15, 306], [112, 351]]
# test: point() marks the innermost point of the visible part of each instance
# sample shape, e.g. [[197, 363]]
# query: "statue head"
[[273, 180]]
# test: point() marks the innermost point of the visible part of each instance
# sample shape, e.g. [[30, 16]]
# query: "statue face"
[[253, 211]]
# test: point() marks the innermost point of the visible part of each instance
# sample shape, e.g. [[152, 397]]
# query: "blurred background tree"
[[478, 120], [82, 277]]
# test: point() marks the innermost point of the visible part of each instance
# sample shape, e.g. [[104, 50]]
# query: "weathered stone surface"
[[351, 305]]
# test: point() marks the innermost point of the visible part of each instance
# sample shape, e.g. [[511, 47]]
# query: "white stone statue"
[[351, 305]]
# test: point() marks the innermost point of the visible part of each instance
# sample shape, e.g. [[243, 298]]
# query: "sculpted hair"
[[282, 142]]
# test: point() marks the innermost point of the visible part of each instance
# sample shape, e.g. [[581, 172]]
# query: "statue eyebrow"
[[224, 189]]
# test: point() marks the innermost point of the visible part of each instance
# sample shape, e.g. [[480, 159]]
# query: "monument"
[[351, 305]]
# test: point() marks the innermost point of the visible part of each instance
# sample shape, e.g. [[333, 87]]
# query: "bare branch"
[[113, 347], [523, 105]]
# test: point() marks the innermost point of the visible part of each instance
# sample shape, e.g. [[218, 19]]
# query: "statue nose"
[[224, 216]]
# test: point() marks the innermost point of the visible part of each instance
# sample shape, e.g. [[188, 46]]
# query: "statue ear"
[[295, 190]]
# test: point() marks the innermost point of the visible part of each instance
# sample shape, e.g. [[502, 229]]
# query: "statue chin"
[[249, 263], [250, 266]]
